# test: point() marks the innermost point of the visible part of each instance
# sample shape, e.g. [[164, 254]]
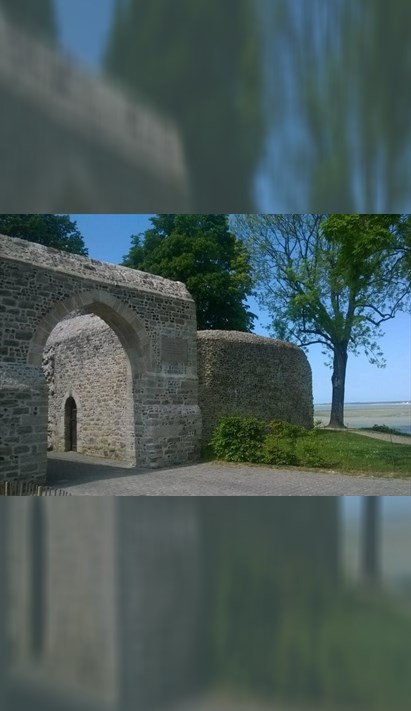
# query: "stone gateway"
[[39, 288], [106, 361]]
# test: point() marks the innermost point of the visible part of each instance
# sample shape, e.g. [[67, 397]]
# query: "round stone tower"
[[248, 375]]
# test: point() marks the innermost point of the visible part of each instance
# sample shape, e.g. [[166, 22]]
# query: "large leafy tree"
[[331, 280], [200, 251], [199, 63], [56, 231]]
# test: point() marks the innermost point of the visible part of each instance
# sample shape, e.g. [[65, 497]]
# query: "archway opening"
[[133, 347], [70, 425], [91, 407]]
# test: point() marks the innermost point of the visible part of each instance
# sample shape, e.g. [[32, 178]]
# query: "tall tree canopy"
[[201, 252], [330, 279], [37, 17], [56, 231], [199, 63]]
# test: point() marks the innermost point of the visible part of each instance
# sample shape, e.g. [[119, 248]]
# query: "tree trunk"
[[338, 383], [370, 567]]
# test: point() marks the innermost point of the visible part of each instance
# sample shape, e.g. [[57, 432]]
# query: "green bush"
[[279, 443], [279, 451], [383, 428], [247, 439], [280, 428], [239, 439]]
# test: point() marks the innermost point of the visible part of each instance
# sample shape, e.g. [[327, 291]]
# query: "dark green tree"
[[199, 63], [201, 252], [36, 17], [56, 231], [330, 279]]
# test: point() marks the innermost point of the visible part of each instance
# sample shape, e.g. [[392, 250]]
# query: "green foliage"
[[200, 64], [383, 428], [389, 430], [56, 231], [201, 252], [288, 430], [247, 439], [331, 280], [239, 439], [278, 450], [280, 444]]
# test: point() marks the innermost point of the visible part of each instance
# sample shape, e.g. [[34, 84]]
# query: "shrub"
[[239, 439], [279, 451], [382, 428], [280, 428], [247, 439], [310, 453]]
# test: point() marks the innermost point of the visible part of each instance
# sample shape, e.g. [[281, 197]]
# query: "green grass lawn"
[[344, 452], [280, 443], [353, 453]]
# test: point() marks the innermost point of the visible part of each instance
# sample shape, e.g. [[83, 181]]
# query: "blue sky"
[[108, 239]]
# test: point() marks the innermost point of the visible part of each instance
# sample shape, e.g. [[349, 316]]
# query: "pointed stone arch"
[[154, 320], [126, 324]]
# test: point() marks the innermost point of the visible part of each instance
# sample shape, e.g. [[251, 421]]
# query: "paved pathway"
[[396, 439], [91, 476]]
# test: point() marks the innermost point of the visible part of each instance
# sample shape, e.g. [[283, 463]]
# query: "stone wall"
[[153, 318], [248, 375], [23, 421], [101, 388], [238, 373]]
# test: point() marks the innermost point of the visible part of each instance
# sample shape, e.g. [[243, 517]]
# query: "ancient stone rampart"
[[248, 375], [238, 373], [154, 320]]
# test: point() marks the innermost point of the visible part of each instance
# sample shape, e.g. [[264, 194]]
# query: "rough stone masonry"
[[116, 354], [154, 320], [238, 374]]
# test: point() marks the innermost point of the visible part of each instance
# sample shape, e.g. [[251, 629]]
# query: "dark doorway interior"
[[70, 421]]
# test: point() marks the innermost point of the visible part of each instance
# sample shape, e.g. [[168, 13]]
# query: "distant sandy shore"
[[369, 415]]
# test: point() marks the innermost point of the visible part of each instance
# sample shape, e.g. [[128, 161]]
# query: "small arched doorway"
[[70, 425]]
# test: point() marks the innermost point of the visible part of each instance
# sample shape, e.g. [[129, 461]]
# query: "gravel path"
[[88, 476], [396, 439]]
